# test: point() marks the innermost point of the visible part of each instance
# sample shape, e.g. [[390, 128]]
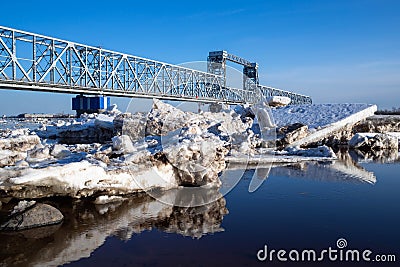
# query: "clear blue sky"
[[334, 51]]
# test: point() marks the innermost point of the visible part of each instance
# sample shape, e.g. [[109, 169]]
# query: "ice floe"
[[120, 153]]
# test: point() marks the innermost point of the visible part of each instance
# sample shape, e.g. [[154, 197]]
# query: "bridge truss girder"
[[35, 62], [216, 64]]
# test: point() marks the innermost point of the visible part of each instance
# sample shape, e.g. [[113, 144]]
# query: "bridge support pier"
[[216, 107], [94, 104]]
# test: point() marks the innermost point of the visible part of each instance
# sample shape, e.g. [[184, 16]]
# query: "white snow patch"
[[60, 151], [123, 144], [8, 157], [326, 118], [317, 115], [104, 121], [18, 142], [83, 175], [100, 200], [390, 139], [86, 121], [372, 135]]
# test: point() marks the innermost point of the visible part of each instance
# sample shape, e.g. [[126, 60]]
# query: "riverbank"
[[119, 153]]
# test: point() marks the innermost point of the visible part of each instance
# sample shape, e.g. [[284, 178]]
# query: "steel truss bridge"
[[35, 62]]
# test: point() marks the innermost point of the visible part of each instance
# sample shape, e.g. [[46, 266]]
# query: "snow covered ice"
[[316, 116], [120, 153], [323, 120]]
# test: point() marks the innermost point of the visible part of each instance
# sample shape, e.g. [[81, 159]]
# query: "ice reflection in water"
[[345, 169], [87, 226]]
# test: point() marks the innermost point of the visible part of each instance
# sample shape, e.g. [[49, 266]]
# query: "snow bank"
[[89, 128], [376, 146], [379, 124], [19, 140], [318, 116], [9, 157], [375, 141], [165, 148], [193, 155], [323, 120], [104, 121], [83, 178], [15, 144]]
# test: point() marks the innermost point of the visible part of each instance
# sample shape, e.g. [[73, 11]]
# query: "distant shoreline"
[[39, 116]]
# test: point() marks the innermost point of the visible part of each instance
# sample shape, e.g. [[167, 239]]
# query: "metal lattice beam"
[[35, 62], [216, 64], [296, 99]]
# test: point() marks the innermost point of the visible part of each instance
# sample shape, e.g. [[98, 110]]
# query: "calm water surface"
[[305, 206]]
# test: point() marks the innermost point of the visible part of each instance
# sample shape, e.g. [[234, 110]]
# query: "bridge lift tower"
[[216, 64]]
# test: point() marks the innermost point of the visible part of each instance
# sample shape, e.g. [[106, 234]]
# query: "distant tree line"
[[393, 111]]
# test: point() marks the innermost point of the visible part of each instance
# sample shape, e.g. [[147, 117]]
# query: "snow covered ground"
[[173, 148], [322, 119], [316, 116]]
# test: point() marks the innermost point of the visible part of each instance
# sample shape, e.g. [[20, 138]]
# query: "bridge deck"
[[35, 62]]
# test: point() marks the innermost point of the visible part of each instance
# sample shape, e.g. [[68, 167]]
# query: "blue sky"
[[335, 51]]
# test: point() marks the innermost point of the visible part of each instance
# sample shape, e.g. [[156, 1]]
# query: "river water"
[[297, 207], [303, 206]]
